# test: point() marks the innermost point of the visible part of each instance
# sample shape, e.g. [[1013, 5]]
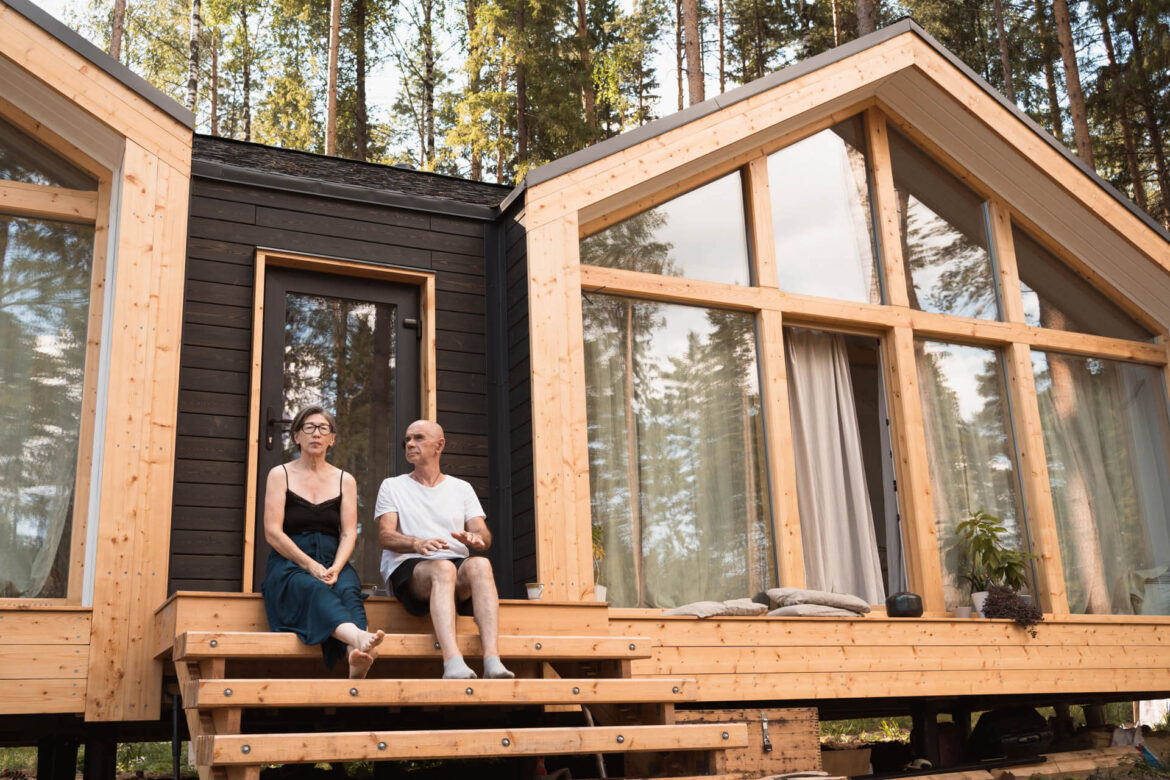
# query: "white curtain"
[[836, 520]]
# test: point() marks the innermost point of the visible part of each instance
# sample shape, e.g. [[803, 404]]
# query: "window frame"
[[82, 207], [893, 322]]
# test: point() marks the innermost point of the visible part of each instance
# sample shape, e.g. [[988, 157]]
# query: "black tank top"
[[302, 516]]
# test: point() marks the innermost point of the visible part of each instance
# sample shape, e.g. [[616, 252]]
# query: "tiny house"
[[790, 336]]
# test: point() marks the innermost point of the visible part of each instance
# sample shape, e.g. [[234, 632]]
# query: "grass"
[[131, 757]]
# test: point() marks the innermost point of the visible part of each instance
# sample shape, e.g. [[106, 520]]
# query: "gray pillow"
[[699, 609], [787, 597], [811, 610], [744, 607]]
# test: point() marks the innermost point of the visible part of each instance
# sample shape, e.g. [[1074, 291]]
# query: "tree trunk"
[[331, 83], [1072, 80], [690, 9], [428, 36], [247, 75], [1121, 101], [473, 82], [1153, 129], [678, 49], [193, 56], [866, 17], [502, 129], [116, 27], [722, 50], [588, 98], [634, 486], [215, 82], [1005, 59], [521, 89], [361, 116], [1054, 116], [836, 6]]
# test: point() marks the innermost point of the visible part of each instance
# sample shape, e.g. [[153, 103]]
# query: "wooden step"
[[198, 645], [208, 694], [255, 749]]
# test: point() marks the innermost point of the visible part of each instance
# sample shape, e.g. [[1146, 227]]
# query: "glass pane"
[[45, 272], [699, 235], [844, 477], [821, 216], [1106, 436], [944, 237], [969, 447], [676, 463], [1056, 297], [340, 353], [24, 159]]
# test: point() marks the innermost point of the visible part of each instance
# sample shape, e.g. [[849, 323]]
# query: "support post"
[[57, 758]]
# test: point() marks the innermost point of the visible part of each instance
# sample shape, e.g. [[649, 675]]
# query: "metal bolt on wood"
[[726, 735], [353, 691], [381, 746], [576, 690], [631, 645], [469, 691], [436, 645], [227, 691], [246, 749], [674, 689], [506, 742], [214, 643], [620, 739], [539, 646]]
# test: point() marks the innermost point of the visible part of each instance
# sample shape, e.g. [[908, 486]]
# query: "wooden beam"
[[465, 743], [22, 625], [1003, 250], [43, 661], [915, 491], [885, 197], [37, 697], [193, 645], [44, 134], [759, 218], [204, 694], [1034, 477], [789, 552], [41, 202], [670, 289]]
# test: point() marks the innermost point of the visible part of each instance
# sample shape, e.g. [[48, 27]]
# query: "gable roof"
[[101, 60], [656, 128]]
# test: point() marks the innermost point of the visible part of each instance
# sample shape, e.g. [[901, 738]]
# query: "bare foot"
[[359, 663], [369, 641]]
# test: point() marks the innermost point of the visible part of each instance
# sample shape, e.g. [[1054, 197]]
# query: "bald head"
[[424, 444]]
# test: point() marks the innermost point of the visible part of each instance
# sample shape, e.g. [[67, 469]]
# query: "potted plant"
[[987, 559], [599, 590]]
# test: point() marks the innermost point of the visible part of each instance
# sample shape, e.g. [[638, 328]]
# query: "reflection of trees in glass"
[[949, 271], [681, 510], [633, 245], [340, 353], [970, 449], [45, 272]]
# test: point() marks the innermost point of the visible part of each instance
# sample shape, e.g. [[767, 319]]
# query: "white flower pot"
[[599, 593], [977, 599]]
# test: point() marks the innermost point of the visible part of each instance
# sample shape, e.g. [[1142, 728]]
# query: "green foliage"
[[865, 730], [987, 560]]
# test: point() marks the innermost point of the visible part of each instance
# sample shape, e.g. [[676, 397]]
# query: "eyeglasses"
[[322, 428]]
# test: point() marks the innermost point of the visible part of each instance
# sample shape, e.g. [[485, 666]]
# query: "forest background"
[[488, 89]]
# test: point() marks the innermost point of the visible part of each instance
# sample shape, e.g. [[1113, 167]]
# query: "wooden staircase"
[[236, 685]]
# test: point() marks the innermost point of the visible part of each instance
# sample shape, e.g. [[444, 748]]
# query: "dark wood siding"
[[228, 222], [519, 404]]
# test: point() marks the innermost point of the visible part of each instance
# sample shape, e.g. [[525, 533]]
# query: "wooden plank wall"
[[520, 404], [44, 660], [743, 659], [228, 221]]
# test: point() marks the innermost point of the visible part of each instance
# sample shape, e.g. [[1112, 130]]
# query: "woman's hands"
[[326, 575]]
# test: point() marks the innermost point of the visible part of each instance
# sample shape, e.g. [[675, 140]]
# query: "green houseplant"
[[599, 590], [987, 559]]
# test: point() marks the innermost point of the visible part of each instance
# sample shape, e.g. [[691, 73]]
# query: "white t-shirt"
[[427, 513]]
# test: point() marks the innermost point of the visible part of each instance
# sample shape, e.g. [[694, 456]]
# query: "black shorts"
[[420, 607]]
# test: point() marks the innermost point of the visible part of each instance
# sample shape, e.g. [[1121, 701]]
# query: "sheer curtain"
[[1105, 433], [836, 520]]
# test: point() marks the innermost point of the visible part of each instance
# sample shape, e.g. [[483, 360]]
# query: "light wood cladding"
[[428, 384], [885, 205], [138, 452], [37, 697]]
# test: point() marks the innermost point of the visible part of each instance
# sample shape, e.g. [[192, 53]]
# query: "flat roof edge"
[[306, 186]]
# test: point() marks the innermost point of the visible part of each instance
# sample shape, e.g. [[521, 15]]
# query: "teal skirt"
[[297, 601]]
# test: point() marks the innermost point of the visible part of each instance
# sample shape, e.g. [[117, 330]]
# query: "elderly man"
[[428, 524]]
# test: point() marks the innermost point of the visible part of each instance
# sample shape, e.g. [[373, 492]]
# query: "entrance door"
[[352, 345]]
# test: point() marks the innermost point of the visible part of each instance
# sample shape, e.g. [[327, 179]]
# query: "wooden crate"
[[792, 732]]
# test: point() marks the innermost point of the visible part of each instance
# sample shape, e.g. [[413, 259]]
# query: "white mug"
[[535, 590]]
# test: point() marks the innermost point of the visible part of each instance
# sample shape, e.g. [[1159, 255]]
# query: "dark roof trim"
[[306, 186], [103, 61], [659, 126]]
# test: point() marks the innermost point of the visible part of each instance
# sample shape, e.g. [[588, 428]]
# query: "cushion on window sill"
[[811, 610], [787, 597], [731, 607]]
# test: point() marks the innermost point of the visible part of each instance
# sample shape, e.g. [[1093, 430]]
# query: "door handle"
[[272, 426]]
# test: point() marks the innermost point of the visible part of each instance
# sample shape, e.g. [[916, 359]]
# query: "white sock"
[[494, 669], [454, 668]]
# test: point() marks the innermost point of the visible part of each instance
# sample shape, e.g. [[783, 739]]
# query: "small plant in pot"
[[987, 559], [599, 590], [1005, 603]]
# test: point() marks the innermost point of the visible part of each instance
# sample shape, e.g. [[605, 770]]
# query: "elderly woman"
[[310, 521]]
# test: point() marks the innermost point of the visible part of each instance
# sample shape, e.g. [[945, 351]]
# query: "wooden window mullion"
[[1004, 252], [886, 208], [42, 202], [759, 211]]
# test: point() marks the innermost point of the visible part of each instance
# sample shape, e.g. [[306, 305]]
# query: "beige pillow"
[[811, 610], [743, 607], [699, 609], [787, 597]]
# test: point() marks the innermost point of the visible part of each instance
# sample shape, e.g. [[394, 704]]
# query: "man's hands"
[[428, 546], [471, 539]]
